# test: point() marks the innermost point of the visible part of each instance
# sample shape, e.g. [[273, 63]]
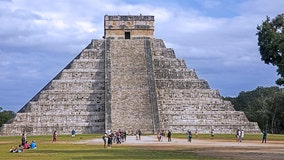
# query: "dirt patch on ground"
[[249, 150]]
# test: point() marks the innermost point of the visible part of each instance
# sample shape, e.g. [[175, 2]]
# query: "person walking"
[[54, 136], [105, 139]]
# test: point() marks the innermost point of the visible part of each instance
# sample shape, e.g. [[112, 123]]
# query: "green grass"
[[66, 149], [270, 137]]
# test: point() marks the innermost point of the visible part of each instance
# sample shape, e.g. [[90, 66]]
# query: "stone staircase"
[[129, 86]]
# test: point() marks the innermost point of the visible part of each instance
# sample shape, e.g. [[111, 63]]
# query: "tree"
[[264, 105], [271, 44], [5, 116]]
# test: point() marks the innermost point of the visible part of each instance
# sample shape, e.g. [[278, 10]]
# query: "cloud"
[[216, 38]]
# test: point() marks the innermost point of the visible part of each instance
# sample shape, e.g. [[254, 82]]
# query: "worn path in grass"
[[228, 149]]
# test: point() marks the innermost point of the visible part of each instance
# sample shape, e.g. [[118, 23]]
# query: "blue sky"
[[215, 37]]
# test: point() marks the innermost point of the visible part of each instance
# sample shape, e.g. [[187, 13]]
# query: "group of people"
[[114, 137], [161, 135], [24, 145], [118, 137], [240, 134], [189, 134]]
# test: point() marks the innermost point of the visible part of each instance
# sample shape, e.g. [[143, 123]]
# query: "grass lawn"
[[65, 148]]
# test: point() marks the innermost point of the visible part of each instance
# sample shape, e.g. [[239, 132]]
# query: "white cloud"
[[219, 43]]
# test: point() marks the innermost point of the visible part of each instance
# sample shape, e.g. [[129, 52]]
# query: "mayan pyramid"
[[128, 80]]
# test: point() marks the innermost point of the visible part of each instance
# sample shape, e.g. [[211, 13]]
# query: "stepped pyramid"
[[129, 80]]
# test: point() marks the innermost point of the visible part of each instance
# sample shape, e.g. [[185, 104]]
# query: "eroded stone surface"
[[127, 82]]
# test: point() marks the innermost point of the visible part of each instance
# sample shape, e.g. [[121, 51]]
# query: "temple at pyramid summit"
[[128, 80]]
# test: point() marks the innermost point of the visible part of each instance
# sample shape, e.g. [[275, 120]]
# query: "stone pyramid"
[[129, 80]]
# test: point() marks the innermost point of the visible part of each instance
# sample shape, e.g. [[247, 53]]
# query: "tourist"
[[109, 141], [105, 139], [264, 135], [159, 136], [54, 136], [169, 136], [239, 135], [124, 134], [162, 135], [212, 133], [13, 149], [26, 145], [113, 136], [139, 134], [23, 139], [73, 132], [242, 134], [189, 135], [118, 137], [20, 149], [196, 133], [33, 145]]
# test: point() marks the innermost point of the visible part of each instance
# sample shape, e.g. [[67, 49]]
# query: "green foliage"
[[271, 44], [5, 116], [264, 106]]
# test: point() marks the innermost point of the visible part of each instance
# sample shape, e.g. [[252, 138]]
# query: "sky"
[[217, 38]]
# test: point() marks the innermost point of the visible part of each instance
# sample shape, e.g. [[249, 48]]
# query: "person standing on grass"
[[23, 139], [105, 139], [189, 135], [162, 135], [169, 136], [109, 139], [73, 132], [212, 133], [196, 133], [159, 136], [264, 135], [54, 136], [139, 134], [243, 134], [239, 136]]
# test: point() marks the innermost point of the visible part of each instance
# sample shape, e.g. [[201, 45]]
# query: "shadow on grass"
[[116, 153]]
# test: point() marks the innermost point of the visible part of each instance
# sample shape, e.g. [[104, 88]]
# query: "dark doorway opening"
[[127, 35]]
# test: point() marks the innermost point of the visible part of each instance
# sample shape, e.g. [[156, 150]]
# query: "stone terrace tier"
[[74, 99], [187, 102]]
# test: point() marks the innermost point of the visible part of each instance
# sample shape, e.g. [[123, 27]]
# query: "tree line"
[[264, 105], [5, 116]]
